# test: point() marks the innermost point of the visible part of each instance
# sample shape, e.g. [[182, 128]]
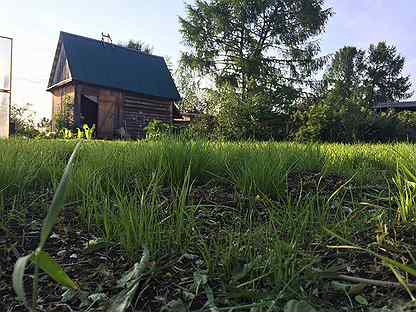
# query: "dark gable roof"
[[404, 104], [107, 65]]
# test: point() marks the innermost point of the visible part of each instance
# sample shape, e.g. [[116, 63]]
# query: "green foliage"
[[190, 87], [320, 124], [385, 79], [80, 134], [66, 134], [232, 115], [53, 269], [406, 196], [22, 119], [138, 45], [234, 118], [157, 129], [203, 127], [259, 94], [64, 118], [352, 84], [263, 50], [234, 206], [375, 75], [385, 127], [405, 182], [407, 120], [45, 125], [86, 132], [89, 131], [353, 124], [234, 42]]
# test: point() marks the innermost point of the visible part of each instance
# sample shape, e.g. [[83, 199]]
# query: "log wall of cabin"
[[139, 111], [109, 108], [116, 109], [59, 96]]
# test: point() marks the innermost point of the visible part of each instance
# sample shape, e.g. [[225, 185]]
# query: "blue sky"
[[35, 26]]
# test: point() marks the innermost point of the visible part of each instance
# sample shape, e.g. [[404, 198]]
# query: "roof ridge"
[[114, 45]]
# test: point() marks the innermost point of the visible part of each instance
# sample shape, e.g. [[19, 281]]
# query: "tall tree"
[[386, 81], [345, 74], [376, 74], [138, 45], [344, 103], [254, 45], [190, 88], [353, 83]]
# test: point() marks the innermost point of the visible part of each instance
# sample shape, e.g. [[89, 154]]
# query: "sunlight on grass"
[[256, 214]]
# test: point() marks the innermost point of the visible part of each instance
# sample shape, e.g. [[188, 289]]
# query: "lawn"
[[228, 226]]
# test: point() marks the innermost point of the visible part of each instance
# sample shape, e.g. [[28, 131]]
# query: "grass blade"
[[385, 259], [53, 269], [123, 299], [18, 273], [401, 281], [58, 200], [130, 282]]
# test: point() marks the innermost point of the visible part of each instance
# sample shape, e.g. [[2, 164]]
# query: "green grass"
[[261, 232]]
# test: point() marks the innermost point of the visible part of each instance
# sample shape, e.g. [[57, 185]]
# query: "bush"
[[350, 125], [383, 127], [320, 124], [64, 119], [233, 116], [201, 127], [407, 121], [22, 121], [157, 129]]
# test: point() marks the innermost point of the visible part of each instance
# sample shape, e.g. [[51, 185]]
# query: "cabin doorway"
[[89, 110]]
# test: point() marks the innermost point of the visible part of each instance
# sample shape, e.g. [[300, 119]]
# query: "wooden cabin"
[[119, 90]]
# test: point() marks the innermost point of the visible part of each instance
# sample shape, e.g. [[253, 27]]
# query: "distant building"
[[396, 106], [118, 89]]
